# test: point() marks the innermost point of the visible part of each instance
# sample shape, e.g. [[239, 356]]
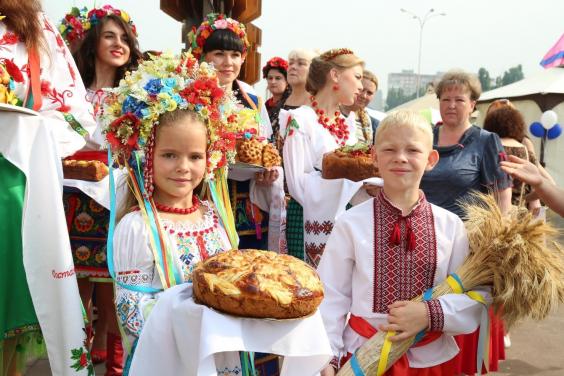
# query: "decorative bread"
[[261, 284], [349, 162], [84, 170], [270, 156], [250, 151]]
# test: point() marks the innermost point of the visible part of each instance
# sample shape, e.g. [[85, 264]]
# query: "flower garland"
[[9, 75], [333, 53], [77, 22], [276, 63], [162, 84], [338, 129], [215, 21]]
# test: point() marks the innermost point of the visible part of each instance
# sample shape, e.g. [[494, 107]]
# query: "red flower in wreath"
[[275, 63], [13, 70], [123, 133]]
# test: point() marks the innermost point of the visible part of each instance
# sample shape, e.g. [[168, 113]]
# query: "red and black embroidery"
[[313, 253], [314, 227], [405, 268]]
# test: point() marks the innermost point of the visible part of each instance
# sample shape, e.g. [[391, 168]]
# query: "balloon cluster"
[[547, 126]]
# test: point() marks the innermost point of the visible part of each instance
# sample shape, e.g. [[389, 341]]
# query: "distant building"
[[407, 81], [377, 102]]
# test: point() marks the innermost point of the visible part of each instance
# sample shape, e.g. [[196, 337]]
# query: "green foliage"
[[510, 76]]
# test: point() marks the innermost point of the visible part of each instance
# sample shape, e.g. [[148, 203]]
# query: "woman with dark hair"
[[40, 305], [275, 72], [256, 202], [106, 47]]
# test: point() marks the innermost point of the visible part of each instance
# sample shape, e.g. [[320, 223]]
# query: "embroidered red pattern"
[[314, 227], [56, 97], [313, 252], [399, 273], [436, 316]]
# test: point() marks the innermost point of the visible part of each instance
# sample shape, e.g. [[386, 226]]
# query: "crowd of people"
[[72, 256]]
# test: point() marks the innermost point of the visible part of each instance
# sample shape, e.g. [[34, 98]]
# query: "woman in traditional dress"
[[256, 202], [39, 303], [334, 78], [106, 47]]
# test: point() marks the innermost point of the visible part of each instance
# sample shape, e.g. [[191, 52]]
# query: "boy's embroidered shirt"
[[353, 284], [395, 262]]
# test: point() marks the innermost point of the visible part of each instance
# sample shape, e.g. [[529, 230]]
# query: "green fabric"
[[295, 229], [16, 307]]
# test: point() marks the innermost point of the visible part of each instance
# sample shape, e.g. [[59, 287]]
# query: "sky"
[[495, 34]]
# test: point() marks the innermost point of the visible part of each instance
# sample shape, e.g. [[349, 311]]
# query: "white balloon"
[[548, 119]]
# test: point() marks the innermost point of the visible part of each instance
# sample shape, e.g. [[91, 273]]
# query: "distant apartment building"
[[407, 81]]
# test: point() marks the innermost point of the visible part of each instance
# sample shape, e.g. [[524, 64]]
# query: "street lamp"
[[430, 14]]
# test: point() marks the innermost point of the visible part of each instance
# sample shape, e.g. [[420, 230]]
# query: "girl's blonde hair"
[[404, 119], [321, 65]]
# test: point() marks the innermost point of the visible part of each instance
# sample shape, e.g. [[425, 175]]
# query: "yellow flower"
[[125, 16]]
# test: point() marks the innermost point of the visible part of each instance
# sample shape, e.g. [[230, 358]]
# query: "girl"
[[106, 47], [223, 42], [159, 240], [36, 272]]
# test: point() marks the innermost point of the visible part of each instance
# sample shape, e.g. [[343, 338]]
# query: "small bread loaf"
[[84, 170]]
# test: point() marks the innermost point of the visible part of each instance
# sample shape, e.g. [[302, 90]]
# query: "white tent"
[[428, 105], [532, 96]]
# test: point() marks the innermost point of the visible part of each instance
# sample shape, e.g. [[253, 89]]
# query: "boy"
[[392, 248]]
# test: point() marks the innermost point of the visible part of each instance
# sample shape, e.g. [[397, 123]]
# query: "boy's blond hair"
[[405, 118]]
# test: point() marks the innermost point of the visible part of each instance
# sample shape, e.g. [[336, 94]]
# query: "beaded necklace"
[[170, 209], [338, 129]]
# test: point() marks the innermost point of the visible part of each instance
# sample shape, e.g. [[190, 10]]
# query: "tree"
[[485, 79], [397, 97], [514, 74]]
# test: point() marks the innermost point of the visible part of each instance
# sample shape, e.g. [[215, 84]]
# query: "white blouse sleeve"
[[298, 158], [461, 313], [335, 270], [134, 266], [63, 94]]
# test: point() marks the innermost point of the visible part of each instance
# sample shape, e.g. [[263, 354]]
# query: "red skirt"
[[465, 361], [401, 366]]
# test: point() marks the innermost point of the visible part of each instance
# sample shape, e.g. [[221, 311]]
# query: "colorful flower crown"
[[76, 24], [333, 53], [275, 62], [9, 75], [215, 21], [162, 84]]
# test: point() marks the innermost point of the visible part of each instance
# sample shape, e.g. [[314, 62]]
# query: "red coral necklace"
[[170, 209], [338, 129]]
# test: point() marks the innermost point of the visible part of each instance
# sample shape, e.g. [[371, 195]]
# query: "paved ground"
[[537, 347]]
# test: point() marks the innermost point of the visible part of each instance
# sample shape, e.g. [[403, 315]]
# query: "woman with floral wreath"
[[334, 79], [105, 42], [257, 203], [40, 305], [275, 73]]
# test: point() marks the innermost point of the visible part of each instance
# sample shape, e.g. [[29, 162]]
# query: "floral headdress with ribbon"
[[276, 63], [130, 116], [77, 22], [215, 21]]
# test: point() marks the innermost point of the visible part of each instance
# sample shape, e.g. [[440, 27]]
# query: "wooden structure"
[[192, 12]]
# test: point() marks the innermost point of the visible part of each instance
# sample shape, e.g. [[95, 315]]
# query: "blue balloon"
[[536, 129], [554, 132]]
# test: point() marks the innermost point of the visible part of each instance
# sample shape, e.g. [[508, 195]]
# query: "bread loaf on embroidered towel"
[[84, 170], [260, 284]]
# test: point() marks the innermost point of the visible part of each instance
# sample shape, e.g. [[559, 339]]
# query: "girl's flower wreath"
[[275, 62], [166, 83]]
